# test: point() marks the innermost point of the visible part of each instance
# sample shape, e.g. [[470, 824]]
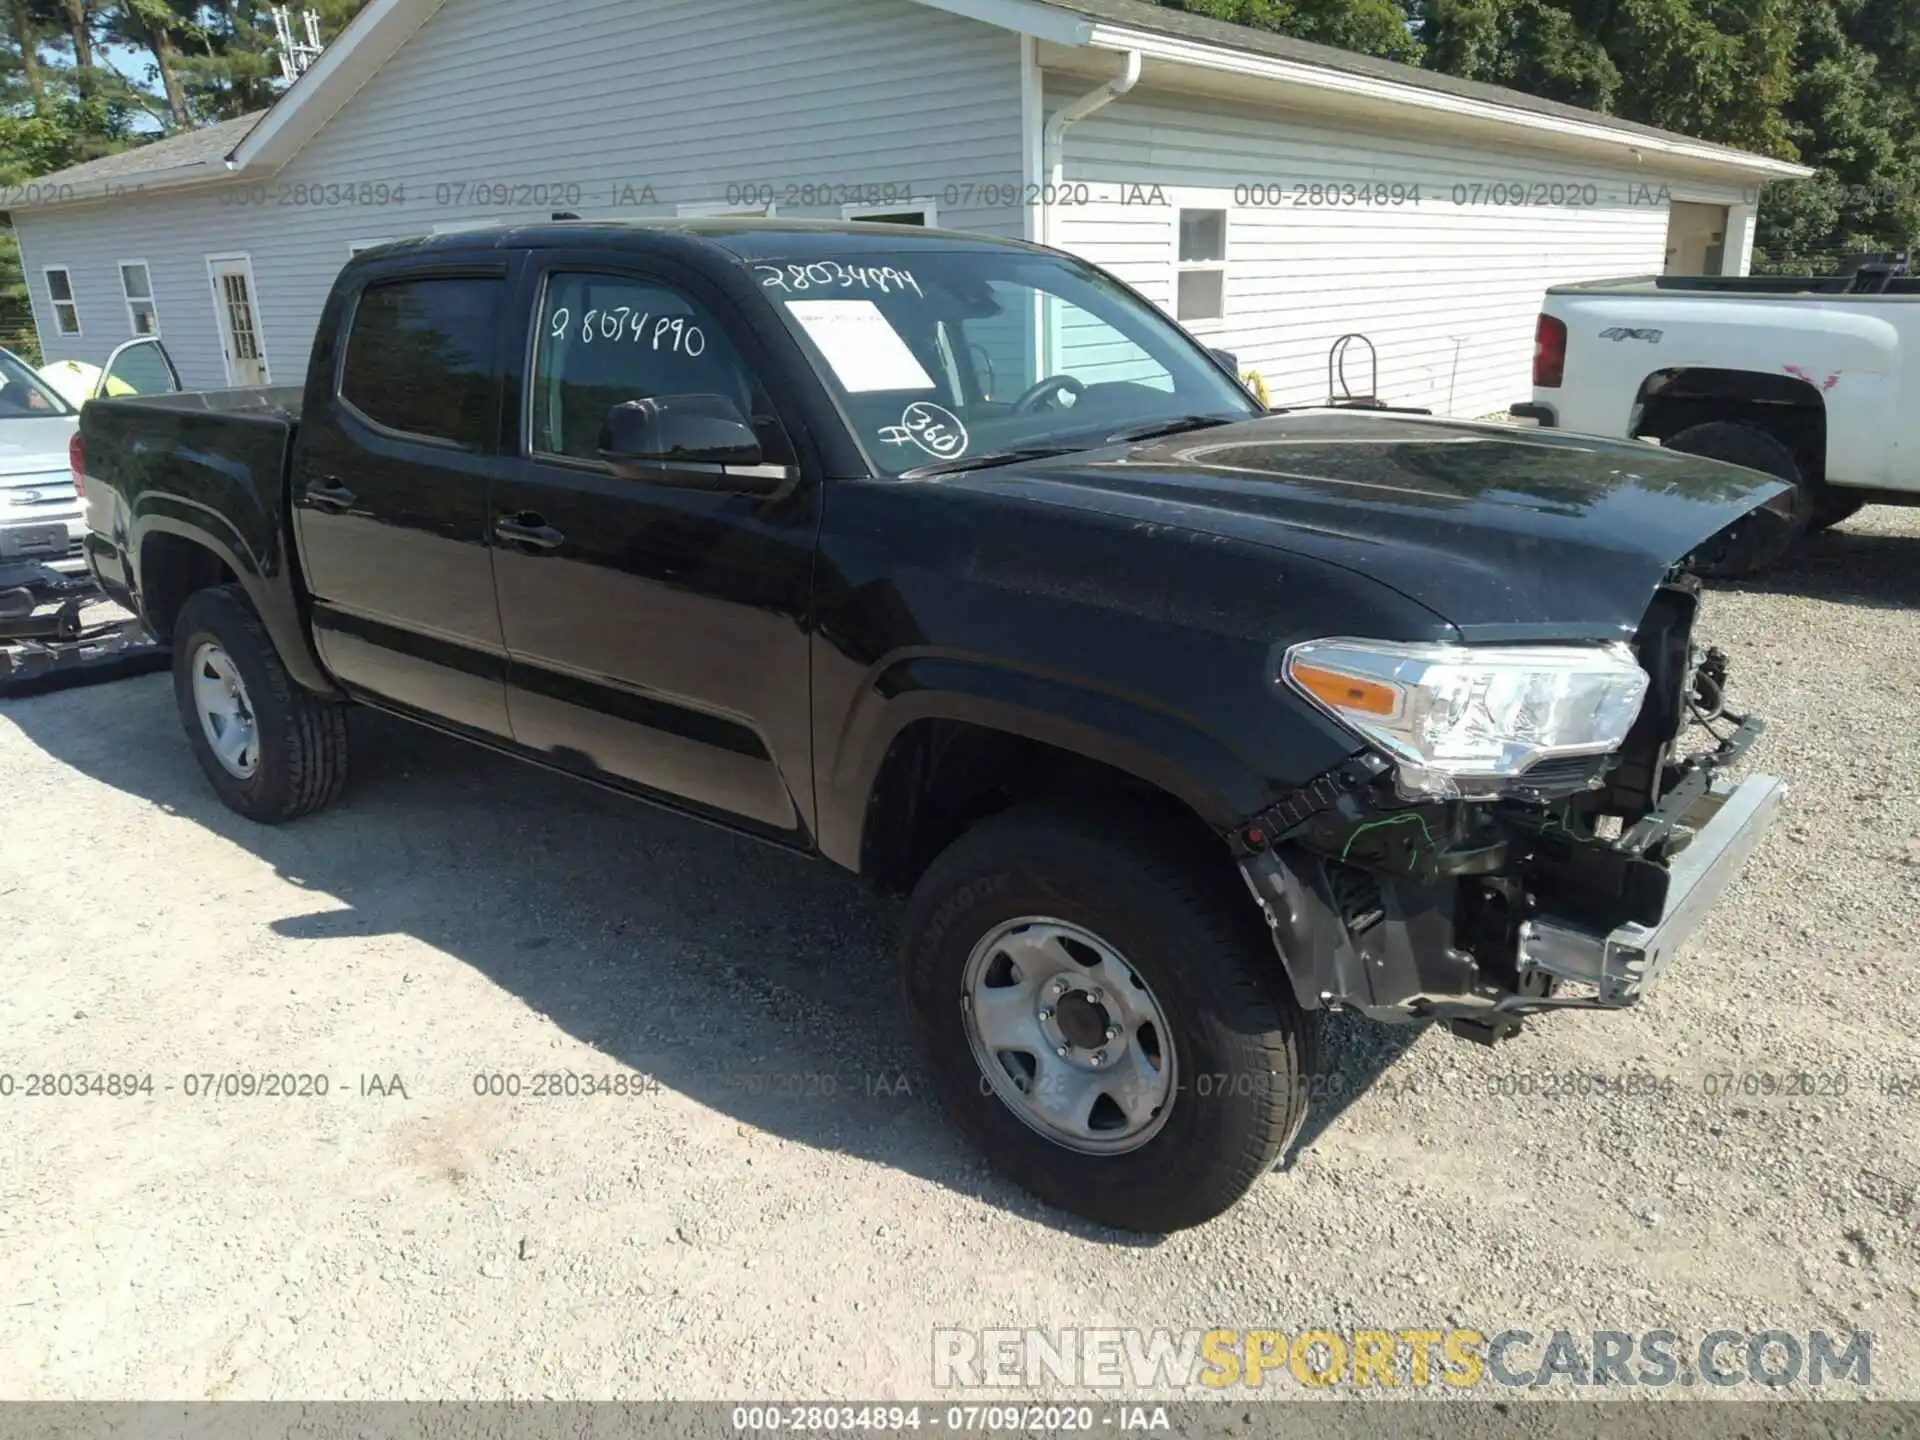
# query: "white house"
[[1272, 194]]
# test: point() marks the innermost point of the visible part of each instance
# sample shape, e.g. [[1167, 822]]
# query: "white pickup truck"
[[1802, 378]]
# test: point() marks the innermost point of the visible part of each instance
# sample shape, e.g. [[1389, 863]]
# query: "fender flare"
[[1149, 742], [269, 589]]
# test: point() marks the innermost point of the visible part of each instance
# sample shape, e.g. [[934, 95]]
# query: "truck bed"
[[279, 402], [1823, 364], [1748, 287], [193, 456], [249, 430]]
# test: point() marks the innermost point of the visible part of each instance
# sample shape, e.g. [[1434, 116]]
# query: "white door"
[[1696, 238], [239, 320]]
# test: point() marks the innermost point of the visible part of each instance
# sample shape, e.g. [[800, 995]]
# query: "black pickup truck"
[[955, 562]]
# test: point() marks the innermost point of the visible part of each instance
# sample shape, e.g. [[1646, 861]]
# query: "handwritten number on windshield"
[[934, 428], [832, 275]]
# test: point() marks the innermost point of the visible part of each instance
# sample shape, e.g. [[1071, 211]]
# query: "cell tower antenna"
[[296, 54]]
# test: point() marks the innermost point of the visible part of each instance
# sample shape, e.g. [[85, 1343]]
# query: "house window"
[[1201, 282], [137, 285], [66, 313]]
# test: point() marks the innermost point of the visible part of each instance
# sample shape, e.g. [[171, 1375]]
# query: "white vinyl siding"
[[1001, 347], [508, 110], [1094, 353], [1447, 289]]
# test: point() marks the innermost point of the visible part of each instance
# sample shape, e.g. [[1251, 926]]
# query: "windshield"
[[940, 356], [24, 394]]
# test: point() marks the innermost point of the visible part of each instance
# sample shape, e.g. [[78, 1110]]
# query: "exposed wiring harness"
[[1707, 700], [1559, 820], [1400, 819]]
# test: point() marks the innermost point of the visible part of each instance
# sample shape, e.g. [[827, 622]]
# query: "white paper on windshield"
[[861, 345]]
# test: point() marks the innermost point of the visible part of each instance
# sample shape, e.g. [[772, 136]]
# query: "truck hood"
[[1507, 533], [34, 445]]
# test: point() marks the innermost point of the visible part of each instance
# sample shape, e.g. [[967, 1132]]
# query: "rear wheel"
[[1834, 506], [1757, 541], [1101, 1019], [271, 749]]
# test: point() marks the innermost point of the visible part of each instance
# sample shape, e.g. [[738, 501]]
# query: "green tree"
[[1853, 117], [37, 134], [163, 29], [232, 65], [62, 103], [1528, 45], [1372, 27], [1718, 69], [1830, 82]]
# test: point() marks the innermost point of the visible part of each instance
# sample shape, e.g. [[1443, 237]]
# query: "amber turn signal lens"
[[1346, 692]]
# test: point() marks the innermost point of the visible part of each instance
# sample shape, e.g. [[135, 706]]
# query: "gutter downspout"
[[1054, 144]]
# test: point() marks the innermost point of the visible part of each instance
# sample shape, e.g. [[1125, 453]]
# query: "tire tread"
[[312, 728], [1735, 442], [1269, 1031]]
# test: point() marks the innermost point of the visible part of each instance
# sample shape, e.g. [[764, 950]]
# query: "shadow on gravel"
[[752, 980], [1355, 1055], [1872, 570]]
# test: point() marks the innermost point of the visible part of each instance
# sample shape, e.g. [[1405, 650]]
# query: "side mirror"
[[707, 430], [1228, 361]]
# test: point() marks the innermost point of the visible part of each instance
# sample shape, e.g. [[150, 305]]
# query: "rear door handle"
[[330, 495], [530, 530]]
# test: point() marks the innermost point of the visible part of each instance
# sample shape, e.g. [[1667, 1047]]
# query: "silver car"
[[42, 516], [40, 513]]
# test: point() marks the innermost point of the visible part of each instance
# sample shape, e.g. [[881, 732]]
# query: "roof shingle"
[[208, 146], [1203, 29]]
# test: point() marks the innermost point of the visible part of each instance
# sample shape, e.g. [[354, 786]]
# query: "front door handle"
[[529, 530], [330, 495]]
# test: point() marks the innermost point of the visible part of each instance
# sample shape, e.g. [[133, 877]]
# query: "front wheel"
[[1753, 544], [1101, 1019]]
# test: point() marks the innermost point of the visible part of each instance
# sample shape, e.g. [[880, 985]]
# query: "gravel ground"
[[732, 1229]]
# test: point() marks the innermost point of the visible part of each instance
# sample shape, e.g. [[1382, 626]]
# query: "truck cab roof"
[[743, 238]]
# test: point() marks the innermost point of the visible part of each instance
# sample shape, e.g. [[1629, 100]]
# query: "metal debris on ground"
[[59, 630]]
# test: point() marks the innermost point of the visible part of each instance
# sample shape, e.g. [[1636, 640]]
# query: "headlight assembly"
[[1466, 720]]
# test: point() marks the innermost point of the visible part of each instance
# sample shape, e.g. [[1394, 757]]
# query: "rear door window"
[[419, 358]]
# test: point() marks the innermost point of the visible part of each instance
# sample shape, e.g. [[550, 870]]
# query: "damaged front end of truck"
[[1524, 829]]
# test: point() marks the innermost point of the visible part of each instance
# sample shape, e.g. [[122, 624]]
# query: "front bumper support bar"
[[1623, 964], [1406, 967]]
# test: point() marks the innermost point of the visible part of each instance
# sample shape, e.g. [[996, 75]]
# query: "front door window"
[[607, 339]]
